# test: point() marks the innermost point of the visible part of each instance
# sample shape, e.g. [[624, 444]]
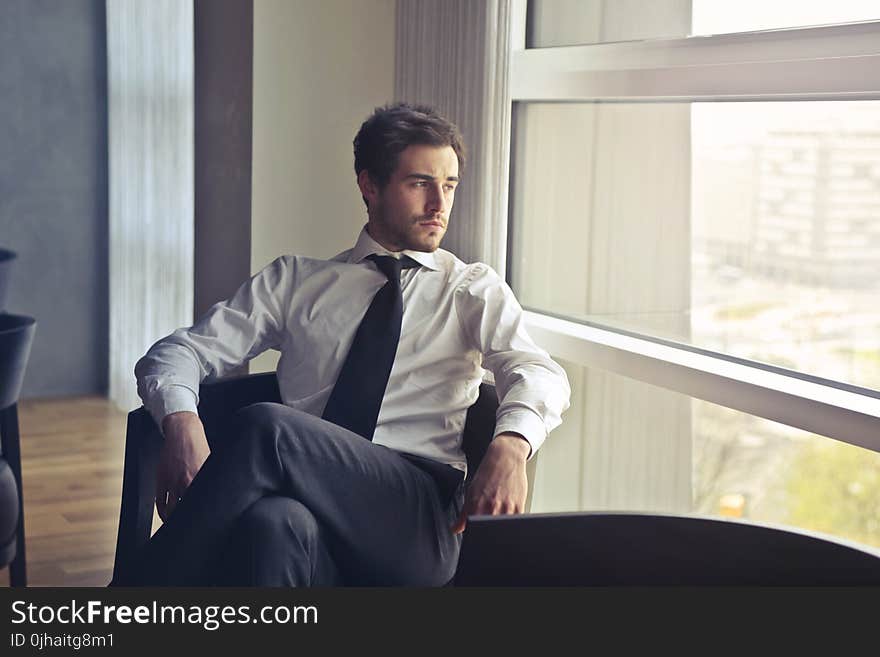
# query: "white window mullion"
[[850, 78], [810, 63]]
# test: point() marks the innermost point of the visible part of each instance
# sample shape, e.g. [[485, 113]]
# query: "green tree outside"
[[835, 488]]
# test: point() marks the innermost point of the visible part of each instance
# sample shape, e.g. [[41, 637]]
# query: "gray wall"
[[53, 187], [224, 55]]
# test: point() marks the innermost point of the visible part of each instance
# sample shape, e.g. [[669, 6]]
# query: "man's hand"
[[183, 453], [500, 484]]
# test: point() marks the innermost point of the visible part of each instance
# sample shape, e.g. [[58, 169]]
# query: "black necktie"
[[357, 396]]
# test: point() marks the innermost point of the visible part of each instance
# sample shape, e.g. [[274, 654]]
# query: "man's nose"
[[436, 200]]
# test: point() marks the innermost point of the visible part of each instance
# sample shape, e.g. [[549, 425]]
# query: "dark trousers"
[[292, 500]]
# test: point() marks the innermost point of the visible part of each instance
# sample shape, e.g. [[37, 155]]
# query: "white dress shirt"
[[457, 319]]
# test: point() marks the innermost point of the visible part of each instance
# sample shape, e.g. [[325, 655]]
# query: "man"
[[358, 477]]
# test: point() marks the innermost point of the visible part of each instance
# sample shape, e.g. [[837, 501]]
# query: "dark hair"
[[390, 129]]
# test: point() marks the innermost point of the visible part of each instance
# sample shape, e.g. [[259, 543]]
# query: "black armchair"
[[16, 336], [217, 402]]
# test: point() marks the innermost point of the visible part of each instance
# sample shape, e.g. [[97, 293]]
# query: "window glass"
[[751, 229], [578, 22], [722, 16], [682, 455]]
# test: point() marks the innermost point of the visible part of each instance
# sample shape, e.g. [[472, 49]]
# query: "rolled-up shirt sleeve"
[[533, 390], [227, 336]]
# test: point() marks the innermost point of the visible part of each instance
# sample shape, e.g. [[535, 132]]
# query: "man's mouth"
[[432, 222]]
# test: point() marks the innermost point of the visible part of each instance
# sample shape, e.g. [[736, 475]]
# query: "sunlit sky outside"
[[716, 125], [722, 16]]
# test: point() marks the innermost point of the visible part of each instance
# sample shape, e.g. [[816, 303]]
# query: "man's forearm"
[[174, 422], [183, 453], [515, 444]]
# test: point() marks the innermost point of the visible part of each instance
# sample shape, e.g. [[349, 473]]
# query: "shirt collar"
[[367, 246]]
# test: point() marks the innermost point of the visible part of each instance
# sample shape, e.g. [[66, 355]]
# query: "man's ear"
[[369, 189]]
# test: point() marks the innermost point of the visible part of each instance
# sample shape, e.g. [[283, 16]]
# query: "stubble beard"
[[406, 240], [430, 244]]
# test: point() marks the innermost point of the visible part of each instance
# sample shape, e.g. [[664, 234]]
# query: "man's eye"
[[449, 188]]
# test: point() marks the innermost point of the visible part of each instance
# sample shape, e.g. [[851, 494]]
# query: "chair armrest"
[[142, 444], [217, 402]]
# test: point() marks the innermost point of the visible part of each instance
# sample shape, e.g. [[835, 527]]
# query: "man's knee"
[[280, 435], [279, 519], [269, 419], [256, 428], [260, 418]]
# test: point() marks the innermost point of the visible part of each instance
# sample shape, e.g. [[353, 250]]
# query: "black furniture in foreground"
[[633, 549], [16, 337], [217, 402]]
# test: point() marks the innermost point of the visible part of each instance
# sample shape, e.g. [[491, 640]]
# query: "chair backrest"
[[218, 401]]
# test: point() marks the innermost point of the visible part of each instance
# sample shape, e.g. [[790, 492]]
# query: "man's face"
[[412, 210]]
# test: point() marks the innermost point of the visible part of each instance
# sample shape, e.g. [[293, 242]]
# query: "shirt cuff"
[[527, 424], [172, 399]]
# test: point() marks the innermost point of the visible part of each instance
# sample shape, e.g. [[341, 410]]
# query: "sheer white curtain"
[[150, 89], [454, 56]]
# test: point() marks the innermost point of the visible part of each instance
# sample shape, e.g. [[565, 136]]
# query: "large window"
[[703, 215]]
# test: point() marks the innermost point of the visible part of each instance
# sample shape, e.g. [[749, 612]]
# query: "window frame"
[[836, 62], [840, 62]]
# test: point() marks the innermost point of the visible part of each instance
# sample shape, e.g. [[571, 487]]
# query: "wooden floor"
[[72, 453]]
